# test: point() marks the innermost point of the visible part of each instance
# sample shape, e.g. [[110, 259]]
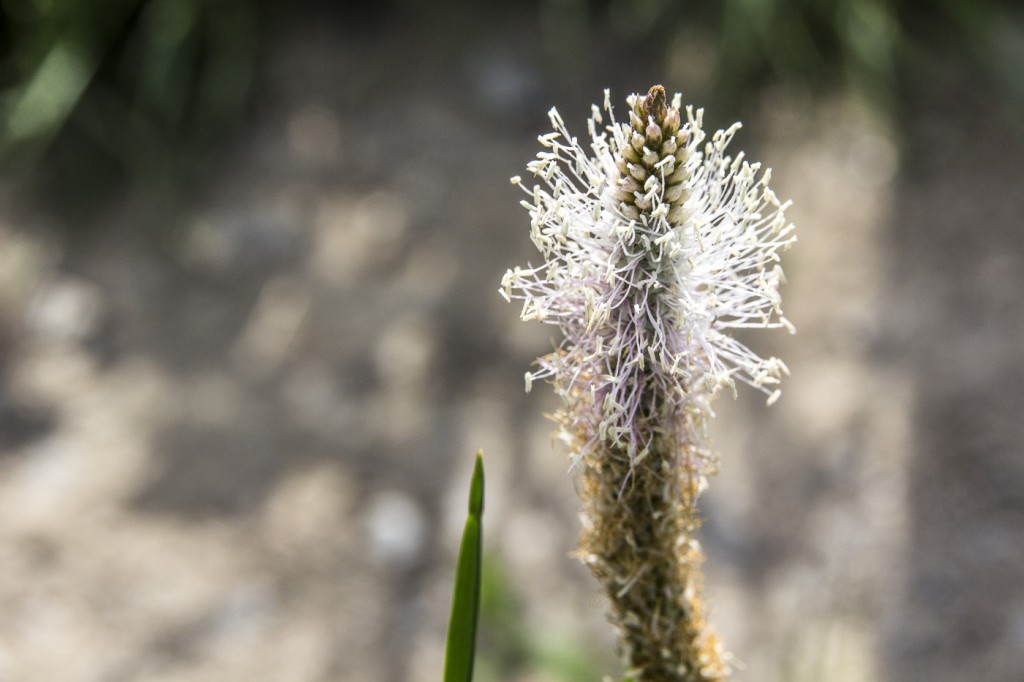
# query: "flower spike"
[[657, 244]]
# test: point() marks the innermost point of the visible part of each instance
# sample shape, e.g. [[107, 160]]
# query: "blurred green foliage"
[[144, 90], [879, 48], [510, 648], [460, 651], [136, 87]]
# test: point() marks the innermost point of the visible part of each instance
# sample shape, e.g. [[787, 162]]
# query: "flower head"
[[657, 243]]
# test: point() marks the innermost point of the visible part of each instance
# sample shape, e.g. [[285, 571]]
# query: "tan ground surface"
[[248, 461]]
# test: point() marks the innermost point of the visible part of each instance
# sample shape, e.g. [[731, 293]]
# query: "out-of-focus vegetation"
[[509, 646], [876, 47], [99, 92], [461, 647]]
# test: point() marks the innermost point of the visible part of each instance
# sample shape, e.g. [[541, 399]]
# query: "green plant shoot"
[[461, 646]]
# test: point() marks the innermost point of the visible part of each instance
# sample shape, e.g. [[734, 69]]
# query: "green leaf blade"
[[461, 645]]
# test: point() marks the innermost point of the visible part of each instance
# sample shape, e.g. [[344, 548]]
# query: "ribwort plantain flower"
[[657, 244]]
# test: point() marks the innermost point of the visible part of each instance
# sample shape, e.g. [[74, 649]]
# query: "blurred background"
[[250, 336]]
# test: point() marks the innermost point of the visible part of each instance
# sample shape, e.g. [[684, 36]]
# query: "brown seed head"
[[654, 104]]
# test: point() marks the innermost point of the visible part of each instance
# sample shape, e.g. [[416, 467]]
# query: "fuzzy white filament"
[[657, 244]]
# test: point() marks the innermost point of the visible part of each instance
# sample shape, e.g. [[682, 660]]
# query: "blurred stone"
[[273, 326], [212, 398], [315, 401], [430, 272], [25, 262], [314, 135], [873, 159], [305, 511], [504, 84], [352, 236], [404, 352], [209, 244], [64, 310], [395, 528], [532, 542], [49, 375]]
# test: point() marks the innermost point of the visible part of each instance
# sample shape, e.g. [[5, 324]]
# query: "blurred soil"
[[246, 459]]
